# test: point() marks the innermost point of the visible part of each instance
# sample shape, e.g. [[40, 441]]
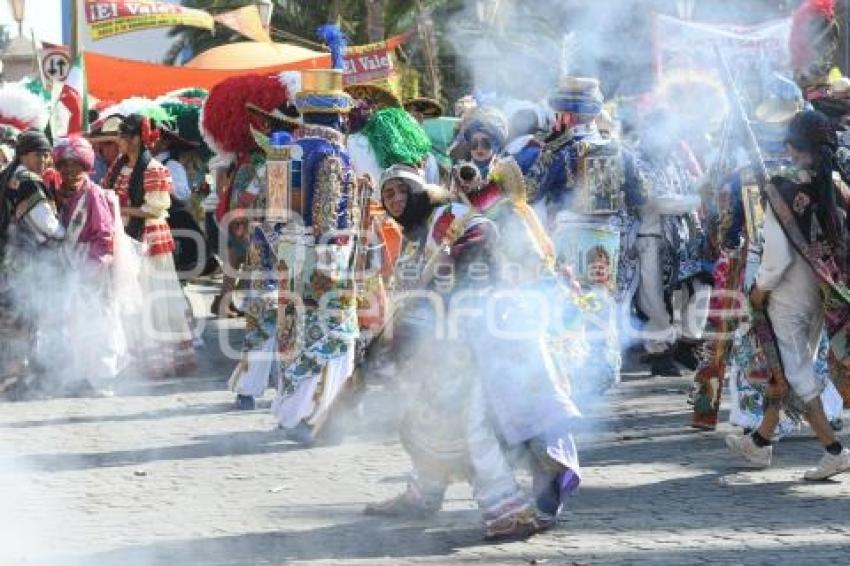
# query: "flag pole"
[[75, 29]]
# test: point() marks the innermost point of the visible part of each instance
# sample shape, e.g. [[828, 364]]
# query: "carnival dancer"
[[28, 224], [453, 418], [672, 248], [317, 318], [143, 187], [226, 123], [586, 190], [729, 355], [381, 134], [265, 216], [92, 335], [801, 283], [545, 360]]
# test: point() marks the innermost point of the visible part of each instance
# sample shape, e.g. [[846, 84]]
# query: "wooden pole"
[[426, 32], [75, 30]]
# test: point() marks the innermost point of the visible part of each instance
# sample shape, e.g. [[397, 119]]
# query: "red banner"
[[371, 62]]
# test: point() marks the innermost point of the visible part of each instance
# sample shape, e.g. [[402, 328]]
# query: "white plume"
[[21, 108]]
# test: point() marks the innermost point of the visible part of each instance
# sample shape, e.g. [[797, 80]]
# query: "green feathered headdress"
[[191, 92], [138, 105], [185, 116], [396, 137]]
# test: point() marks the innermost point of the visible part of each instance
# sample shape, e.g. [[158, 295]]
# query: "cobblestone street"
[[168, 473]]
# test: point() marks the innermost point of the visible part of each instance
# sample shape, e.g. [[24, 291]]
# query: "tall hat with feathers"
[[225, 119], [322, 89], [813, 42]]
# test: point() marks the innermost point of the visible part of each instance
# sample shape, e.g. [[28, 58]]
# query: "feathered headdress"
[[813, 42], [226, 122], [185, 117], [135, 105], [396, 137], [332, 36], [22, 109], [197, 93]]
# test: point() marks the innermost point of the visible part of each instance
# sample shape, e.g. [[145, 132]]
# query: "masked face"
[[481, 148]]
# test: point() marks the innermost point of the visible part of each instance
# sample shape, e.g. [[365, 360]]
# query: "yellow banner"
[[245, 20], [108, 18]]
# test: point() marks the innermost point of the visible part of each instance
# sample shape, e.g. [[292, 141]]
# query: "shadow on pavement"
[[209, 446], [342, 541], [171, 412]]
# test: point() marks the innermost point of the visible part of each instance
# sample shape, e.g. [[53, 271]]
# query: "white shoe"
[[745, 447], [829, 466]]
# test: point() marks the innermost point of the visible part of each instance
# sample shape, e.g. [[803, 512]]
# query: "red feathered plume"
[[225, 121], [804, 29]]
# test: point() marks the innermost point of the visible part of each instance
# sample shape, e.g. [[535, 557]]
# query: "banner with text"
[[684, 45], [372, 62], [110, 18]]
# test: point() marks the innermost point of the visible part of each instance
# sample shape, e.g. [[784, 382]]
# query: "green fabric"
[[185, 119], [194, 92], [441, 131], [396, 137]]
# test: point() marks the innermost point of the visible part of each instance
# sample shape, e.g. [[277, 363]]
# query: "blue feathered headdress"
[[332, 36]]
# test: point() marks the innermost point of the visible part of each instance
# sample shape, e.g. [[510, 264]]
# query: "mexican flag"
[[73, 97]]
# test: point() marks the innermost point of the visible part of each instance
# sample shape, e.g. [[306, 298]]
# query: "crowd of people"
[[499, 267]]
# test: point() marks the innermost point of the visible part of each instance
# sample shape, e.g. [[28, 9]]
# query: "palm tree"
[[291, 19]]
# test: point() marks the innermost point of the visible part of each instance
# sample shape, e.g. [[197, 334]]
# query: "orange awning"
[[113, 78], [234, 55]]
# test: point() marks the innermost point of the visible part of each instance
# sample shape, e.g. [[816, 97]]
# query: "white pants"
[[251, 375], [797, 328], [690, 304], [658, 334]]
